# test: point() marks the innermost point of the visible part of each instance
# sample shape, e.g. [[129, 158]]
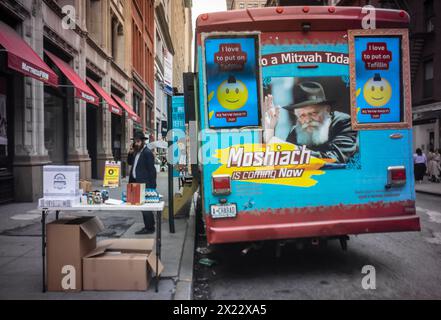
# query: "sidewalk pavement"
[[20, 252], [428, 187]]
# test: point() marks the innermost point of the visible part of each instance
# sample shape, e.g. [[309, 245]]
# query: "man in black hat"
[[142, 162], [328, 134]]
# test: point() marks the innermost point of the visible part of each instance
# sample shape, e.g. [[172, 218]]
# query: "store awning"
[[129, 110], [113, 106], [22, 58], [82, 91]]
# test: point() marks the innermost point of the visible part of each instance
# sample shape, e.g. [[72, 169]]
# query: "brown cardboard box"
[[86, 186], [135, 193], [68, 241], [120, 265]]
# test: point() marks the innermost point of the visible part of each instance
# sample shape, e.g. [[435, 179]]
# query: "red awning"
[[22, 58], [113, 107], [82, 91], [129, 110]]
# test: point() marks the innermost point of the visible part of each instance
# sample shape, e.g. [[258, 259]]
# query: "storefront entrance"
[[92, 134], [6, 141], [55, 126], [426, 132], [116, 136]]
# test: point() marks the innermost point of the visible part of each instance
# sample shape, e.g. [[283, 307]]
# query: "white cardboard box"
[[61, 182]]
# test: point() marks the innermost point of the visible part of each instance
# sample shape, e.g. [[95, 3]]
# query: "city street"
[[227, 150], [407, 267]]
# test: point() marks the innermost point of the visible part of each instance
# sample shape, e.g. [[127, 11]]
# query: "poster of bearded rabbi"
[[314, 112]]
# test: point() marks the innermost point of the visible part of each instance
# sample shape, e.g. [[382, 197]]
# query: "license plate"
[[224, 210]]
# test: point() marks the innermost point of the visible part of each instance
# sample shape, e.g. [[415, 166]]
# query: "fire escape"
[[417, 39], [416, 52]]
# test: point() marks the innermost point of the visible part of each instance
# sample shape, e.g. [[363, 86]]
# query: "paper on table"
[[113, 202]]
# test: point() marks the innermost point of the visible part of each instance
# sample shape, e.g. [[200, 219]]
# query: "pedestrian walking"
[[420, 165], [433, 167], [142, 162]]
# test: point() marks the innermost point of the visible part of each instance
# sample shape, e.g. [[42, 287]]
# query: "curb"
[[429, 192], [184, 286]]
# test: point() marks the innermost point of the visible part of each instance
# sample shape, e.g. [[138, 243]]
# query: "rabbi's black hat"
[[308, 93]]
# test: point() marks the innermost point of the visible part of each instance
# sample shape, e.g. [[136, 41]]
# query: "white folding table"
[[155, 207]]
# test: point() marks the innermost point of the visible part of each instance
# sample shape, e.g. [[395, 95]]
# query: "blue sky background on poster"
[[248, 76], [392, 75]]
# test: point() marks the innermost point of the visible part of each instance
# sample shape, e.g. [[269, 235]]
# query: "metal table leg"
[[43, 246], [158, 246]]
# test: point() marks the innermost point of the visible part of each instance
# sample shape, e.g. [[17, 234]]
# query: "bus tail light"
[[221, 184], [396, 176]]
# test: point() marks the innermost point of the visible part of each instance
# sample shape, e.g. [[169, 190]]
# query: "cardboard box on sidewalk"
[[120, 265], [68, 241]]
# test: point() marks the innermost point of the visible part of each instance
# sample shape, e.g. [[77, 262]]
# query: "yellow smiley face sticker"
[[377, 91], [232, 94]]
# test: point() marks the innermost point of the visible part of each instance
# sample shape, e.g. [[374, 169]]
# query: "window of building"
[[149, 67], [241, 5], [94, 20], [149, 116], [137, 99], [429, 15], [152, 14], [428, 79], [117, 39], [138, 49], [160, 49], [388, 4]]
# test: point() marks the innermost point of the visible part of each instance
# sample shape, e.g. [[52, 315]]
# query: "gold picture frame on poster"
[[405, 88]]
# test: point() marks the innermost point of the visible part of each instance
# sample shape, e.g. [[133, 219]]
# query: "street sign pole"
[[171, 216]]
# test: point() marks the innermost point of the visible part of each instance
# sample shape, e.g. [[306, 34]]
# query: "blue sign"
[[232, 75], [378, 79], [178, 133], [178, 113]]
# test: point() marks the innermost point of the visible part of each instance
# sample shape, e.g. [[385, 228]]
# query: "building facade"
[[107, 56], [164, 54], [143, 59], [182, 36], [245, 4], [85, 118], [425, 64], [425, 54]]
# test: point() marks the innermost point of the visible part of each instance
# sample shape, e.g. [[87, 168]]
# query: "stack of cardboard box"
[[77, 262]]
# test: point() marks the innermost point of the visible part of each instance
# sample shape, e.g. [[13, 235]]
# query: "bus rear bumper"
[[231, 234]]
